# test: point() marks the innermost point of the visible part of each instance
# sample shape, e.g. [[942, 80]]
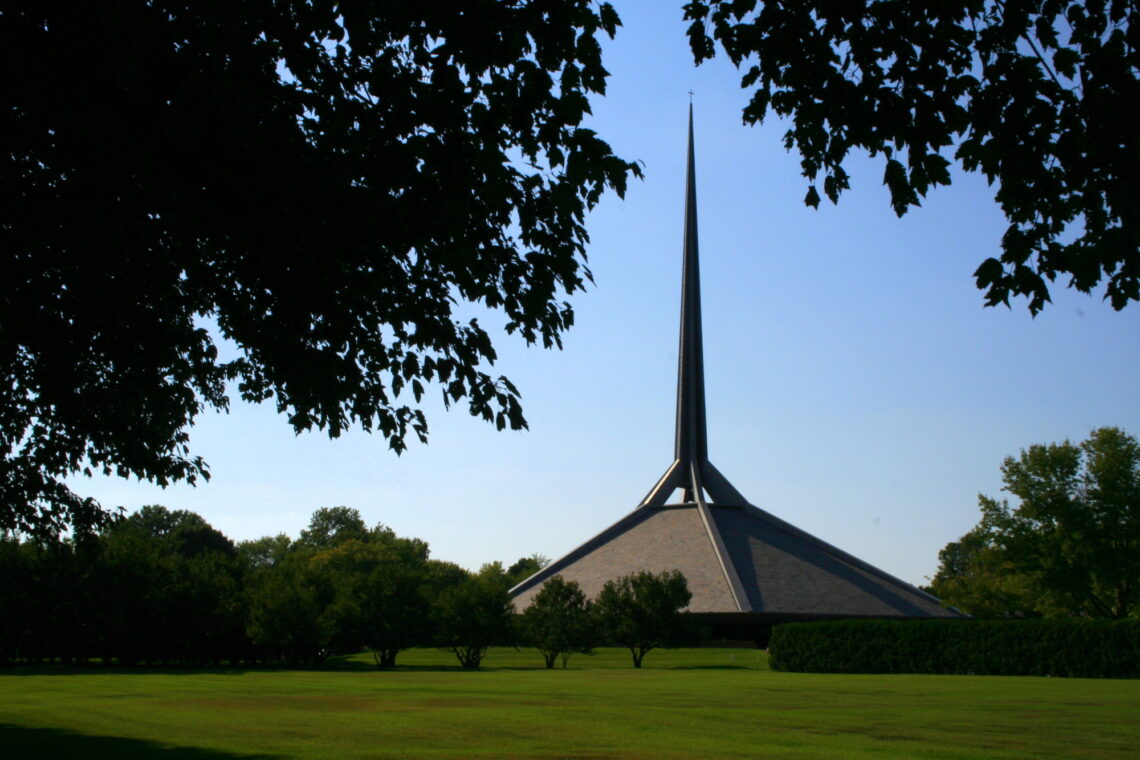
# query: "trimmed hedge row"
[[1076, 648]]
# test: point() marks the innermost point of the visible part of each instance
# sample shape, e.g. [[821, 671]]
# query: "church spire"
[[691, 470], [691, 439]]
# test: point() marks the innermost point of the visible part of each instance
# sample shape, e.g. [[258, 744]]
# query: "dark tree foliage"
[[339, 589], [331, 526], [47, 609], [1073, 647], [167, 588], [378, 594], [163, 588], [473, 615], [642, 611], [1038, 95], [137, 593], [524, 567], [287, 199], [17, 588], [287, 618], [267, 551], [181, 531]]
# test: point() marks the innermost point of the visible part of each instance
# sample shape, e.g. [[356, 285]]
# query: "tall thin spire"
[[691, 436], [691, 470]]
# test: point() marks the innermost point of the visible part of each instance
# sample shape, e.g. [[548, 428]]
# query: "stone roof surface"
[[783, 571]]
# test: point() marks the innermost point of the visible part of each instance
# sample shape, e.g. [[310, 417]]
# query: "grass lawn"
[[696, 703]]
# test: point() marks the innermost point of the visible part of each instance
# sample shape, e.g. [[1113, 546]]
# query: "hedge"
[[1077, 648]]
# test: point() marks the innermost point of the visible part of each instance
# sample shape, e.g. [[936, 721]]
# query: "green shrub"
[[1078, 648]]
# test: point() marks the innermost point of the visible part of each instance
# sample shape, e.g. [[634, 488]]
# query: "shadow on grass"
[[355, 664], [347, 664], [60, 744], [344, 666], [118, 670]]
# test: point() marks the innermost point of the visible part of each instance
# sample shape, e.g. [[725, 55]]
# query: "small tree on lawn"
[[474, 615], [379, 595], [396, 612], [558, 621], [642, 611]]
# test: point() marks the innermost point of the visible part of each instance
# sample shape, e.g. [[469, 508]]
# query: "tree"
[[180, 531], [378, 593], [286, 612], [473, 615], [46, 604], [525, 567], [263, 552], [17, 575], [1029, 93], [642, 611], [1073, 540], [132, 592], [558, 621], [290, 201], [396, 610], [975, 576], [331, 526], [168, 588]]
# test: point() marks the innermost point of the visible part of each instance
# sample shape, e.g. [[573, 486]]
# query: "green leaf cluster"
[[559, 621], [1034, 95], [642, 611], [474, 614], [1070, 546], [292, 201]]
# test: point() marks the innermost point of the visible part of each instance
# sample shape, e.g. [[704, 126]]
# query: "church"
[[746, 568]]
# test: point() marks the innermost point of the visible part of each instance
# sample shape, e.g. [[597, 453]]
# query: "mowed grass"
[[702, 703]]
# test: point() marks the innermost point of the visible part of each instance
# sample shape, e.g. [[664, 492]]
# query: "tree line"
[[165, 588], [162, 587]]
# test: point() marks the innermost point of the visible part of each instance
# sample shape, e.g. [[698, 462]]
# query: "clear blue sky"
[[856, 386]]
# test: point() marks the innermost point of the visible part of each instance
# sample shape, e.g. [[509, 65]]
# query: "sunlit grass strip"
[[684, 704]]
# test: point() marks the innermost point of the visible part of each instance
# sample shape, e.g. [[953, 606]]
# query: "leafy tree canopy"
[[474, 614], [525, 567], [1072, 544], [642, 611], [975, 576], [558, 621], [1034, 95], [179, 531], [264, 552], [375, 593], [331, 526], [287, 200]]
